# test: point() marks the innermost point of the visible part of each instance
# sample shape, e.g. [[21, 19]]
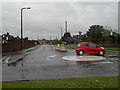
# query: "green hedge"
[[102, 40]]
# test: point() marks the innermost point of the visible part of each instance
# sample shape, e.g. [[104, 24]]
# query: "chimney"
[[66, 26]]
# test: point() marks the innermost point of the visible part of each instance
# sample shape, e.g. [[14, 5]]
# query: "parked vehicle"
[[89, 48]]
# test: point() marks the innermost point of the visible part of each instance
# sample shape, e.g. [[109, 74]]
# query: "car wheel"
[[81, 52], [101, 53]]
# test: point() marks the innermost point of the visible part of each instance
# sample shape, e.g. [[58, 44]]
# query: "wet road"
[[43, 62]]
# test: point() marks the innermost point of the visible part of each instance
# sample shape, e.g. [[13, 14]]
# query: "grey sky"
[[45, 18]]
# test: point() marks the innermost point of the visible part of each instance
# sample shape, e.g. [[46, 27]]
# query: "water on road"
[[45, 62]]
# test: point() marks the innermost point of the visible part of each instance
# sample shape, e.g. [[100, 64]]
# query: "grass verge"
[[84, 82], [72, 47], [112, 48]]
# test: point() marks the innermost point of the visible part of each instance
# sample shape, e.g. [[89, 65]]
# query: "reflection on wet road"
[[46, 63]]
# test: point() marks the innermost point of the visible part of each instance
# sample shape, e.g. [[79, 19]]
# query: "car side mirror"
[[97, 47]]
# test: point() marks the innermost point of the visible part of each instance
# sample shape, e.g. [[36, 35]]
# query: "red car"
[[89, 48]]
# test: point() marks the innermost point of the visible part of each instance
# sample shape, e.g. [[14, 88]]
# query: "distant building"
[[40, 41], [114, 34], [83, 36], [75, 39], [110, 34], [67, 37], [44, 41]]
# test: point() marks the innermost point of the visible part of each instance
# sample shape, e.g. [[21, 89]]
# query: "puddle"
[[113, 56], [93, 62]]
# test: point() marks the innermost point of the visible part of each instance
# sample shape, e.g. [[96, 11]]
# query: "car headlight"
[[102, 47]]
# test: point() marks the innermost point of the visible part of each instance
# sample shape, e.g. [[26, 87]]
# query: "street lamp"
[[22, 25]]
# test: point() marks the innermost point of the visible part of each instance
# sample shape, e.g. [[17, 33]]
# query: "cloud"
[[45, 18]]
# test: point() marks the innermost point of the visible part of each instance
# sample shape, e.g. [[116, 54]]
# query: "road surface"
[[43, 62]]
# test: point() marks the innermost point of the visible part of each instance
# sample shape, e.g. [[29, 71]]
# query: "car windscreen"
[[92, 45], [85, 44]]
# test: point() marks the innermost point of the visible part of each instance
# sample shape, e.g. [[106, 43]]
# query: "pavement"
[[44, 62]]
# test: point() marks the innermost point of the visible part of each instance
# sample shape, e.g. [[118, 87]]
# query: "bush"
[[102, 40], [56, 41]]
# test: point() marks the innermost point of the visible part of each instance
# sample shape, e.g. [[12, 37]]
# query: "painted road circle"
[[84, 58]]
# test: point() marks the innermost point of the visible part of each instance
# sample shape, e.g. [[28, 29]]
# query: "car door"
[[93, 48], [86, 47]]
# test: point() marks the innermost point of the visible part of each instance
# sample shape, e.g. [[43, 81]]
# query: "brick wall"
[[15, 45]]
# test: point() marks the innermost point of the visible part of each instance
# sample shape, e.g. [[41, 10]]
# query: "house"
[[67, 37], [77, 38]]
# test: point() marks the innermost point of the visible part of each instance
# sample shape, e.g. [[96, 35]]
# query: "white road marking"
[[7, 59], [50, 56], [107, 62], [2, 58]]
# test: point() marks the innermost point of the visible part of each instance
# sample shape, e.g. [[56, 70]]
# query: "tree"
[[26, 38], [56, 41], [96, 31]]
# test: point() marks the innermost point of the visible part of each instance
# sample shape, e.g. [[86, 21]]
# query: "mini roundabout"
[[87, 59], [84, 58]]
